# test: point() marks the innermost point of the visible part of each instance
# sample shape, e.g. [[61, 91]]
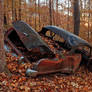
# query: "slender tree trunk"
[[5, 19], [89, 21], [7, 13], [13, 14], [35, 15], [76, 17], [68, 17], [2, 52], [50, 11], [19, 9], [53, 12], [84, 9], [57, 12], [81, 4], [47, 16], [39, 12], [3, 67]]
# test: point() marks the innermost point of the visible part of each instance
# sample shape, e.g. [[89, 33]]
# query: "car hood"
[[33, 39]]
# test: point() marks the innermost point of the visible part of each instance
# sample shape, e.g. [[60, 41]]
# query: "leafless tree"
[[57, 12], [50, 11], [76, 17], [13, 14], [39, 11], [68, 16], [3, 67], [35, 15], [19, 9], [89, 20]]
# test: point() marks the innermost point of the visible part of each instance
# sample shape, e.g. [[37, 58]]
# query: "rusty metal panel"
[[30, 37], [69, 62], [31, 46], [45, 66]]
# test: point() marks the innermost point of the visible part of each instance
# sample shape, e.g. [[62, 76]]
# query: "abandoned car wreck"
[[26, 42], [70, 51], [71, 42]]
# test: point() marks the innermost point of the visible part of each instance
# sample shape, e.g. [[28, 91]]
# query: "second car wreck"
[[26, 42], [70, 42]]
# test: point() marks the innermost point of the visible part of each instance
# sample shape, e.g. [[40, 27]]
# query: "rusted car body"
[[26, 42], [72, 43], [75, 47], [67, 65]]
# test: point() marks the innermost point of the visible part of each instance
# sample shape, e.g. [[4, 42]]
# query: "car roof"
[[71, 38]]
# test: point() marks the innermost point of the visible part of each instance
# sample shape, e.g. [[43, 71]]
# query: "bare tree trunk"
[[47, 16], [68, 17], [89, 21], [3, 67], [7, 12], [39, 12], [57, 12], [2, 53], [84, 9], [19, 9], [35, 15], [81, 4], [76, 17], [53, 18], [13, 14], [5, 16], [50, 11], [5, 19]]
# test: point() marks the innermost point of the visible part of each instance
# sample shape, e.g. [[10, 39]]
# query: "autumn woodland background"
[[73, 15], [39, 13]]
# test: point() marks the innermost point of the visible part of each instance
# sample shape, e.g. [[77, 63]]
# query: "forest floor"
[[80, 81]]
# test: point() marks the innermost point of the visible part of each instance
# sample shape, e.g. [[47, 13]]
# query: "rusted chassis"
[[27, 43], [13, 47], [7, 41]]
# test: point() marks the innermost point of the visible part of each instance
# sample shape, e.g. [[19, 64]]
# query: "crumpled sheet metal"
[[68, 62], [29, 39], [45, 66]]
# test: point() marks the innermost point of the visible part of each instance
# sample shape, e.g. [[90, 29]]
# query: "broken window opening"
[[14, 38], [33, 54]]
